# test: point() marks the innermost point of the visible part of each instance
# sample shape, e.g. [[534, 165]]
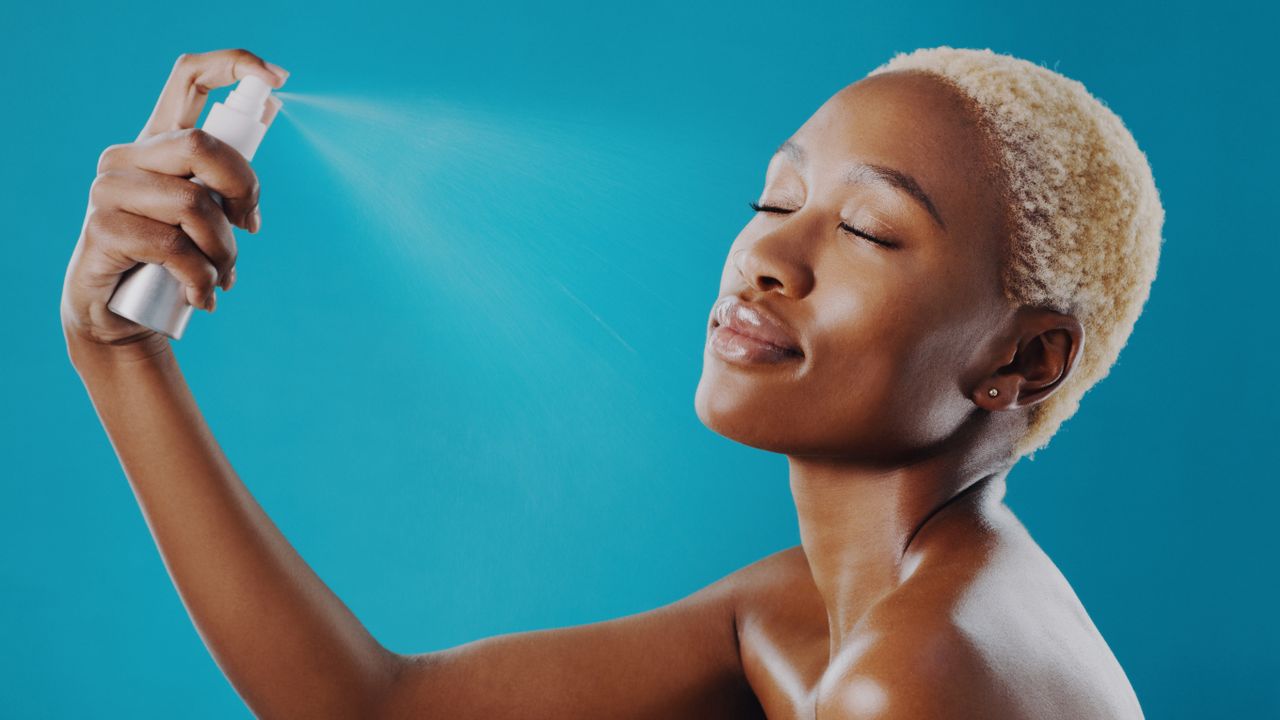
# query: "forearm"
[[287, 644]]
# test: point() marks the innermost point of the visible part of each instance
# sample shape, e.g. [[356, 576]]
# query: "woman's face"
[[889, 338]]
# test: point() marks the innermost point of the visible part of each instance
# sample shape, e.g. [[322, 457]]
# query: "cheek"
[[885, 358], [858, 314], [858, 351]]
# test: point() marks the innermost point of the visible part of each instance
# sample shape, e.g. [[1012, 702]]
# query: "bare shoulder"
[[985, 625]]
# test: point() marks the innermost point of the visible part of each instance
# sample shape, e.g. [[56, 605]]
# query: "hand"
[[144, 207]]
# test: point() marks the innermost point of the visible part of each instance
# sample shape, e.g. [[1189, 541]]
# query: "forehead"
[[913, 123]]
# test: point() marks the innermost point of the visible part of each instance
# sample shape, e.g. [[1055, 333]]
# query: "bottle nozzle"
[[249, 96]]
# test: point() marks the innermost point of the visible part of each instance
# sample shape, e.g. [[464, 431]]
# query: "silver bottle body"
[[151, 296]]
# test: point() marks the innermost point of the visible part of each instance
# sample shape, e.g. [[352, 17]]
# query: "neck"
[[857, 522]]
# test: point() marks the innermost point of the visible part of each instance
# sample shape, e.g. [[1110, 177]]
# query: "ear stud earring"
[[993, 392]]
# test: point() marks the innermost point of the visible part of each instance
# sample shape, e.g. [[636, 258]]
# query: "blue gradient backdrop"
[[470, 407]]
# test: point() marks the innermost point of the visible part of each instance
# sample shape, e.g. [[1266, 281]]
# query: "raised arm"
[[286, 643]]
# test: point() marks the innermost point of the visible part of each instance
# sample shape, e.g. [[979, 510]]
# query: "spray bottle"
[[150, 295]]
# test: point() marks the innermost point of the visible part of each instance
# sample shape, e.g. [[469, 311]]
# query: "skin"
[[915, 591]]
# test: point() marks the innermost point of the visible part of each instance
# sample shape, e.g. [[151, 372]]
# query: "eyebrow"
[[873, 173]]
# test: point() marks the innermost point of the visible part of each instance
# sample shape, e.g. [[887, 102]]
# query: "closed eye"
[[843, 226], [768, 208], [866, 235]]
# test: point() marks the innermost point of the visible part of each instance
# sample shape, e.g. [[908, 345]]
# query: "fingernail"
[[279, 71], [255, 220], [213, 301], [231, 278]]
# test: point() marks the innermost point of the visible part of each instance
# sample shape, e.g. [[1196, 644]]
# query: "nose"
[[776, 261]]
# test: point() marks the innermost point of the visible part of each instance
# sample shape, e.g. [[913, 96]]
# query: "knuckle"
[[109, 156], [254, 191], [197, 142], [99, 188], [172, 241], [227, 261], [97, 227], [204, 207], [219, 255], [191, 199], [206, 279], [223, 255], [104, 186], [189, 62]]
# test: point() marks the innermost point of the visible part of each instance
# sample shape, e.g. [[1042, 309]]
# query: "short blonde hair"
[[1084, 214]]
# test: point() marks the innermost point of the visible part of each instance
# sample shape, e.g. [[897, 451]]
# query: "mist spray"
[[149, 294]]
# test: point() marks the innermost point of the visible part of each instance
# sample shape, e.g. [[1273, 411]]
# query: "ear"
[[1033, 360]]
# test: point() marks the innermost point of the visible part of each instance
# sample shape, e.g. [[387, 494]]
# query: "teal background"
[[462, 381]]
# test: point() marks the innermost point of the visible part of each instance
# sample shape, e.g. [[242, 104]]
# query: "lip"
[[746, 333]]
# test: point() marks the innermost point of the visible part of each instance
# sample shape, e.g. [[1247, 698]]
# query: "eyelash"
[[843, 226]]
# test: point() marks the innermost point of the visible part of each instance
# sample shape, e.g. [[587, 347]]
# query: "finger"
[[194, 75], [127, 239], [173, 201], [193, 153]]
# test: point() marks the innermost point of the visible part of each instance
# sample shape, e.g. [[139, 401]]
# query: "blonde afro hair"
[[1084, 214]]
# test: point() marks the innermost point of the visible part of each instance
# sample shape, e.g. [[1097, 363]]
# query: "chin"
[[781, 416], [746, 413]]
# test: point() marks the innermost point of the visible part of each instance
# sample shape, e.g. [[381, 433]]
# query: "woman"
[[944, 258]]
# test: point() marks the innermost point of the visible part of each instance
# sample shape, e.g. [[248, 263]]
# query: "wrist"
[[86, 353]]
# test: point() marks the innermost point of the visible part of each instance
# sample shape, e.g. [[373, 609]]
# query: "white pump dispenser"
[[150, 295]]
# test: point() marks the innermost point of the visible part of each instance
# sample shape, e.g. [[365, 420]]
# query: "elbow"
[[389, 697], [366, 690]]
